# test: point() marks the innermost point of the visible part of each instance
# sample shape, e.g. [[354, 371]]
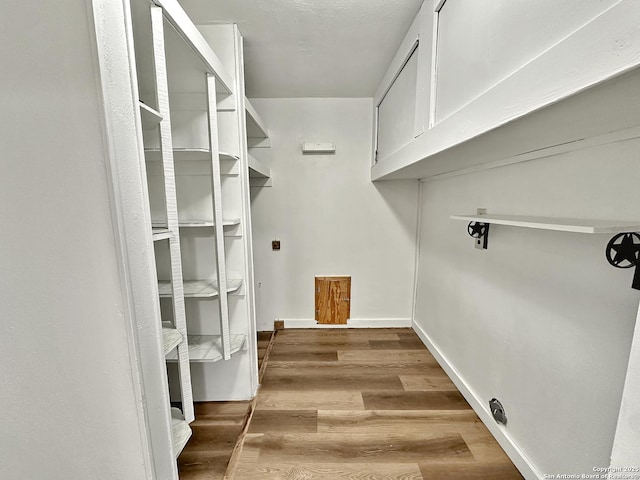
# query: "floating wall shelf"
[[549, 223], [623, 250]]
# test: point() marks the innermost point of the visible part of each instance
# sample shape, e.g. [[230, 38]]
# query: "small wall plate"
[[497, 410], [318, 147]]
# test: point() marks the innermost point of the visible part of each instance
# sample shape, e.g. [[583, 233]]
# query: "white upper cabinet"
[[397, 110], [501, 79], [480, 44]]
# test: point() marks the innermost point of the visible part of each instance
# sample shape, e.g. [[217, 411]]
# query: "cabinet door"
[[333, 300], [397, 110]]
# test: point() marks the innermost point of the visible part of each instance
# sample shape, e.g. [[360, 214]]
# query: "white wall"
[[625, 445], [539, 320], [67, 395], [327, 214]]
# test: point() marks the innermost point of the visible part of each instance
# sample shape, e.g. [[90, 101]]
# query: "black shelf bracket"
[[623, 251], [480, 232]]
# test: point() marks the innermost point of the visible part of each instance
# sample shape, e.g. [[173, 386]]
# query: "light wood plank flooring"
[[263, 343], [363, 404], [215, 433]]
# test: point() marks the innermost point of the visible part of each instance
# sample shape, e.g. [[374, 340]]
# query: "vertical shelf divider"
[[166, 149], [246, 200], [216, 184]]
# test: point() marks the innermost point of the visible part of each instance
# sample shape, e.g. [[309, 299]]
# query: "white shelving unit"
[[174, 104], [550, 223], [190, 117], [212, 171], [172, 56], [204, 99], [149, 42]]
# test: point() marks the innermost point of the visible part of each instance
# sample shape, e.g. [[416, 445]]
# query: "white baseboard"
[[514, 452], [351, 323]]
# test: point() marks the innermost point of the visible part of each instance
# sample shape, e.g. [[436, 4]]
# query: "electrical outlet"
[[275, 245]]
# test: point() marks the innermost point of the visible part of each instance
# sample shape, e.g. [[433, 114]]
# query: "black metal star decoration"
[[623, 250], [476, 229]]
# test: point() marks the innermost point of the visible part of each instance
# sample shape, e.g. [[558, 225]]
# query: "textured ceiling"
[[312, 48]]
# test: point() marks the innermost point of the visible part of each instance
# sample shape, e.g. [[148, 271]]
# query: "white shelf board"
[[180, 431], [208, 348], [260, 182], [228, 162], [154, 154], [258, 169], [557, 224], [150, 117], [171, 338], [198, 288], [161, 233], [227, 222], [256, 128]]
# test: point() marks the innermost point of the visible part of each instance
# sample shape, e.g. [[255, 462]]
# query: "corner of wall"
[[511, 448]]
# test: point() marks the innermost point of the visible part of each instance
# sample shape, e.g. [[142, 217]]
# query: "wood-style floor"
[[215, 433], [264, 339], [216, 430], [363, 404]]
